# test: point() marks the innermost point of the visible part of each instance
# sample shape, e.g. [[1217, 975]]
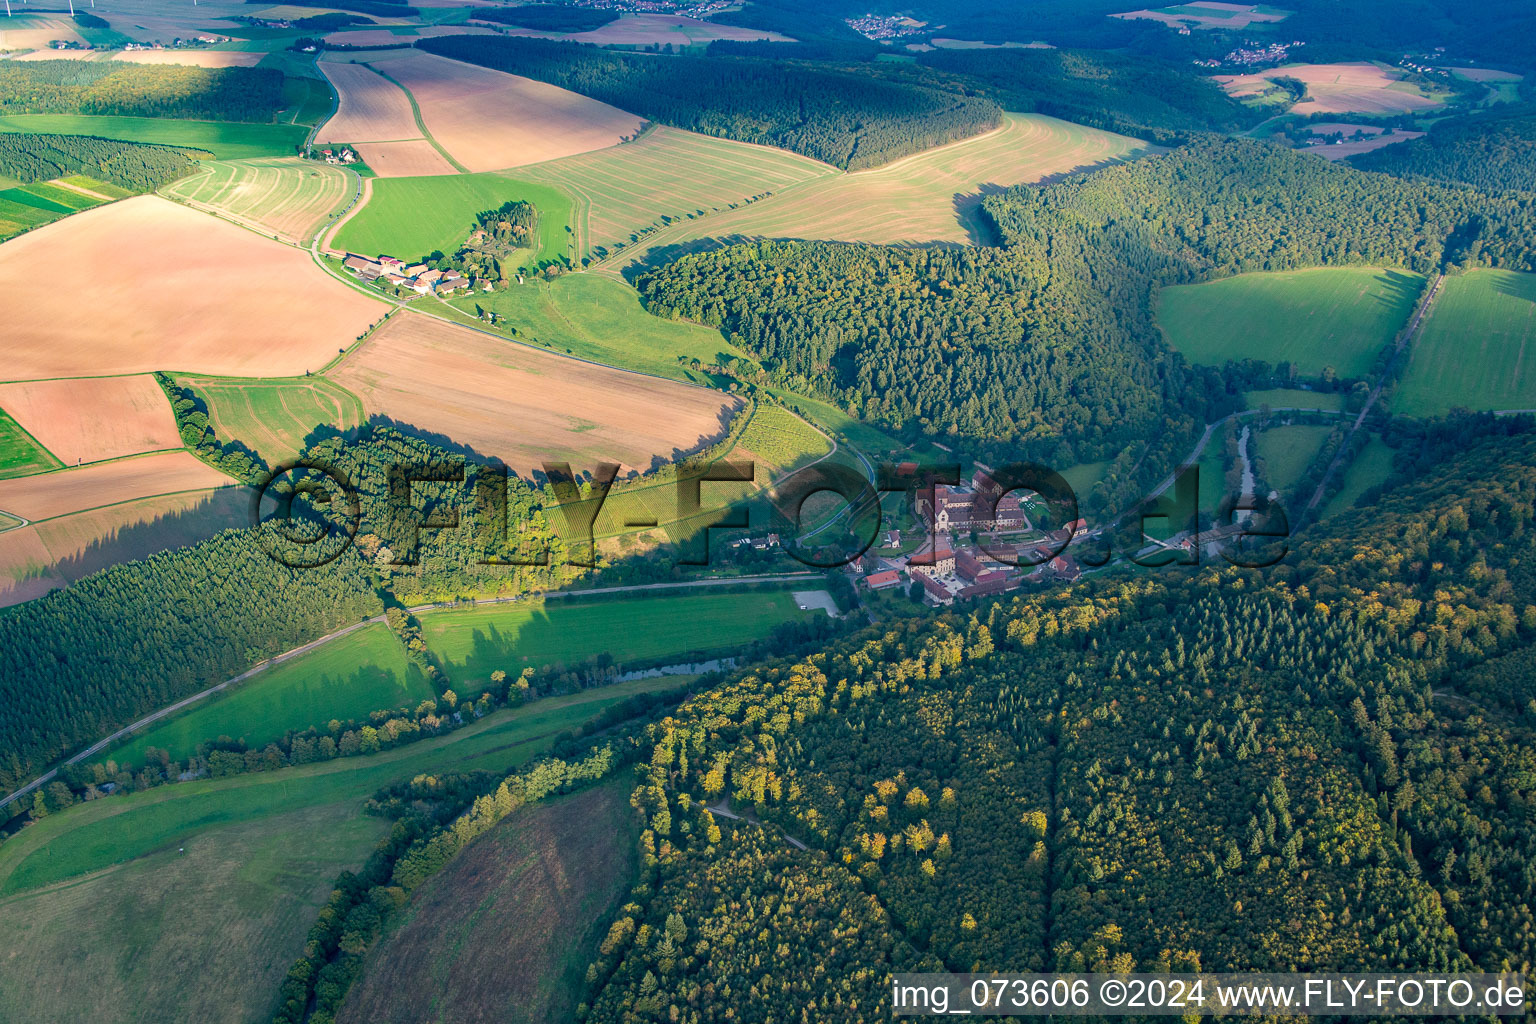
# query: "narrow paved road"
[[185, 702]]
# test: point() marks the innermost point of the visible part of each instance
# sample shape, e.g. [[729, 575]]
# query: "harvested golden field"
[[1354, 88], [489, 120], [194, 58], [87, 419], [409, 159], [151, 285], [1349, 146], [34, 32], [931, 196], [524, 405], [655, 29], [45, 556], [285, 196], [106, 483], [371, 108], [57, 55]]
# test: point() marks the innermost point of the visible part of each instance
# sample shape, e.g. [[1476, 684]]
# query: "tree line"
[[851, 118], [140, 90], [28, 157]]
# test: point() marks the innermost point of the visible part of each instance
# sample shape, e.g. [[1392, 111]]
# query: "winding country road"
[[185, 702]]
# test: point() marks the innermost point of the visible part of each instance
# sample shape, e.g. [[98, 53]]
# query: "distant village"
[[192, 43], [886, 26], [417, 277], [1253, 54]]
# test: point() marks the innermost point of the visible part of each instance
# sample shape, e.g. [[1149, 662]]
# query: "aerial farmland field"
[[364, 671], [275, 416], [665, 175], [106, 483], [88, 419], [1477, 350], [1347, 88], [601, 318], [524, 405], [285, 196], [490, 121], [371, 108], [20, 452], [471, 643], [40, 557], [928, 197], [411, 217], [218, 282], [1340, 317], [225, 140]]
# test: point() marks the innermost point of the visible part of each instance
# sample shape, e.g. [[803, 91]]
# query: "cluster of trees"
[[851, 118], [510, 226], [227, 456], [1217, 770], [1132, 95], [1020, 347], [139, 168], [549, 17], [1490, 152], [1220, 207], [140, 90]]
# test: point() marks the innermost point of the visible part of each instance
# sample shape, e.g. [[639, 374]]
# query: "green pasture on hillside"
[[226, 140], [1477, 350], [344, 679], [471, 643], [1287, 452], [601, 318], [20, 454], [1339, 317], [412, 217]]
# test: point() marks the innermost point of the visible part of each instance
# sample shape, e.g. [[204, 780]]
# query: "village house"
[[883, 580]]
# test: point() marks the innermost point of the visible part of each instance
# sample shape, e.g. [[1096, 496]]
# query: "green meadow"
[[225, 140], [20, 454], [601, 318], [412, 217], [1477, 350], [275, 416], [1287, 452], [471, 643], [1371, 467], [344, 679], [1339, 317]]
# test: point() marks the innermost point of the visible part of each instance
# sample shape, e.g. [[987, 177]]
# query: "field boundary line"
[[129, 501], [416, 112]]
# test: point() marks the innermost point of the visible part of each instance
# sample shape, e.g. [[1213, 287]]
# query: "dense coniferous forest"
[[1213, 769], [139, 90], [998, 346], [1492, 153], [849, 118], [141, 168], [1138, 96], [1230, 206]]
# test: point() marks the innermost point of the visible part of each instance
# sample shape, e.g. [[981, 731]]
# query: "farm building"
[[882, 580]]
